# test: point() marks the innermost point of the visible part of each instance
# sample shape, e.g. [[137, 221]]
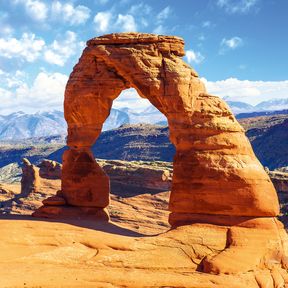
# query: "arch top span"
[[172, 44]]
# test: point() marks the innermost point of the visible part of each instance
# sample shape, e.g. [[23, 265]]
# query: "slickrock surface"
[[35, 253], [142, 210], [217, 179], [119, 253]]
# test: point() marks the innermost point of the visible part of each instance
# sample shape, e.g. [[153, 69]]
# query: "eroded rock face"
[[216, 177], [211, 147], [140, 174], [30, 178], [50, 169]]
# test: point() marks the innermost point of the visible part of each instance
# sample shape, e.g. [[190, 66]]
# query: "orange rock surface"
[[35, 253], [217, 180], [30, 181]]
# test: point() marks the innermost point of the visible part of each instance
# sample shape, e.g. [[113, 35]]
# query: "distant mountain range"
[[46, 125], [20, 125], [270, 105], [147, 142]]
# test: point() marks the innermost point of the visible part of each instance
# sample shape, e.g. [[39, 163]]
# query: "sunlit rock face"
[[215, 170], [216, 177]]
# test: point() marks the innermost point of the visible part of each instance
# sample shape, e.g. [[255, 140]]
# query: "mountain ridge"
[[20, 125]]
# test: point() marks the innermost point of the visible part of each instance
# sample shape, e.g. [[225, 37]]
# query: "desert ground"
[[135, 249]]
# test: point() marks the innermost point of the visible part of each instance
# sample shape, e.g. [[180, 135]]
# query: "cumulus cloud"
[[74, 15], [46, 92], [237, 6], [194, 57], [230, 44], [61, 50], [28, 47], [57, 10], [106, 21], [252, 92], [35, 9], [126, 23], [102, 21]]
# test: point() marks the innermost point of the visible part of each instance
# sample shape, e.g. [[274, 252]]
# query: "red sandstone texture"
[[30, 178], [216, 177]]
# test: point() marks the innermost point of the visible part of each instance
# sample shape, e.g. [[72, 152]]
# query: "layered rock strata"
[[216, 177]]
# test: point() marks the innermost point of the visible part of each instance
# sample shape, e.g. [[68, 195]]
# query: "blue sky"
[[238, 47]]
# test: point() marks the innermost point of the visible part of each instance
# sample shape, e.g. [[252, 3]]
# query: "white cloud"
[[252, 92], [126, 23], [28, 47], [46, 92], [70, 14], [36, 9], [164, 14], [130, 98], [102, 21], [230, 44], [107, 22], [61, 50], [194, 57], [31, 48], [237, 6]]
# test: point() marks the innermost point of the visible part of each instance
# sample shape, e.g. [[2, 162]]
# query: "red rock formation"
[[50, 169], [30, 178], [216, 178]]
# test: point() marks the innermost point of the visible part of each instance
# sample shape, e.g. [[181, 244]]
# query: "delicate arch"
[[215, 169]]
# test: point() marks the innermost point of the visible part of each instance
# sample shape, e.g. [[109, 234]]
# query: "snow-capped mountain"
[[271, 105], [150, 115], [116, 119], [19, 125], [240, 107]]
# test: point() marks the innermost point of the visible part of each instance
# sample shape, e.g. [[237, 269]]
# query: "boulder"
[[50, 169]]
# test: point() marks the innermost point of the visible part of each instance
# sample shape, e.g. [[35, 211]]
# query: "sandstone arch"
[[215, 170], [217, 179]]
